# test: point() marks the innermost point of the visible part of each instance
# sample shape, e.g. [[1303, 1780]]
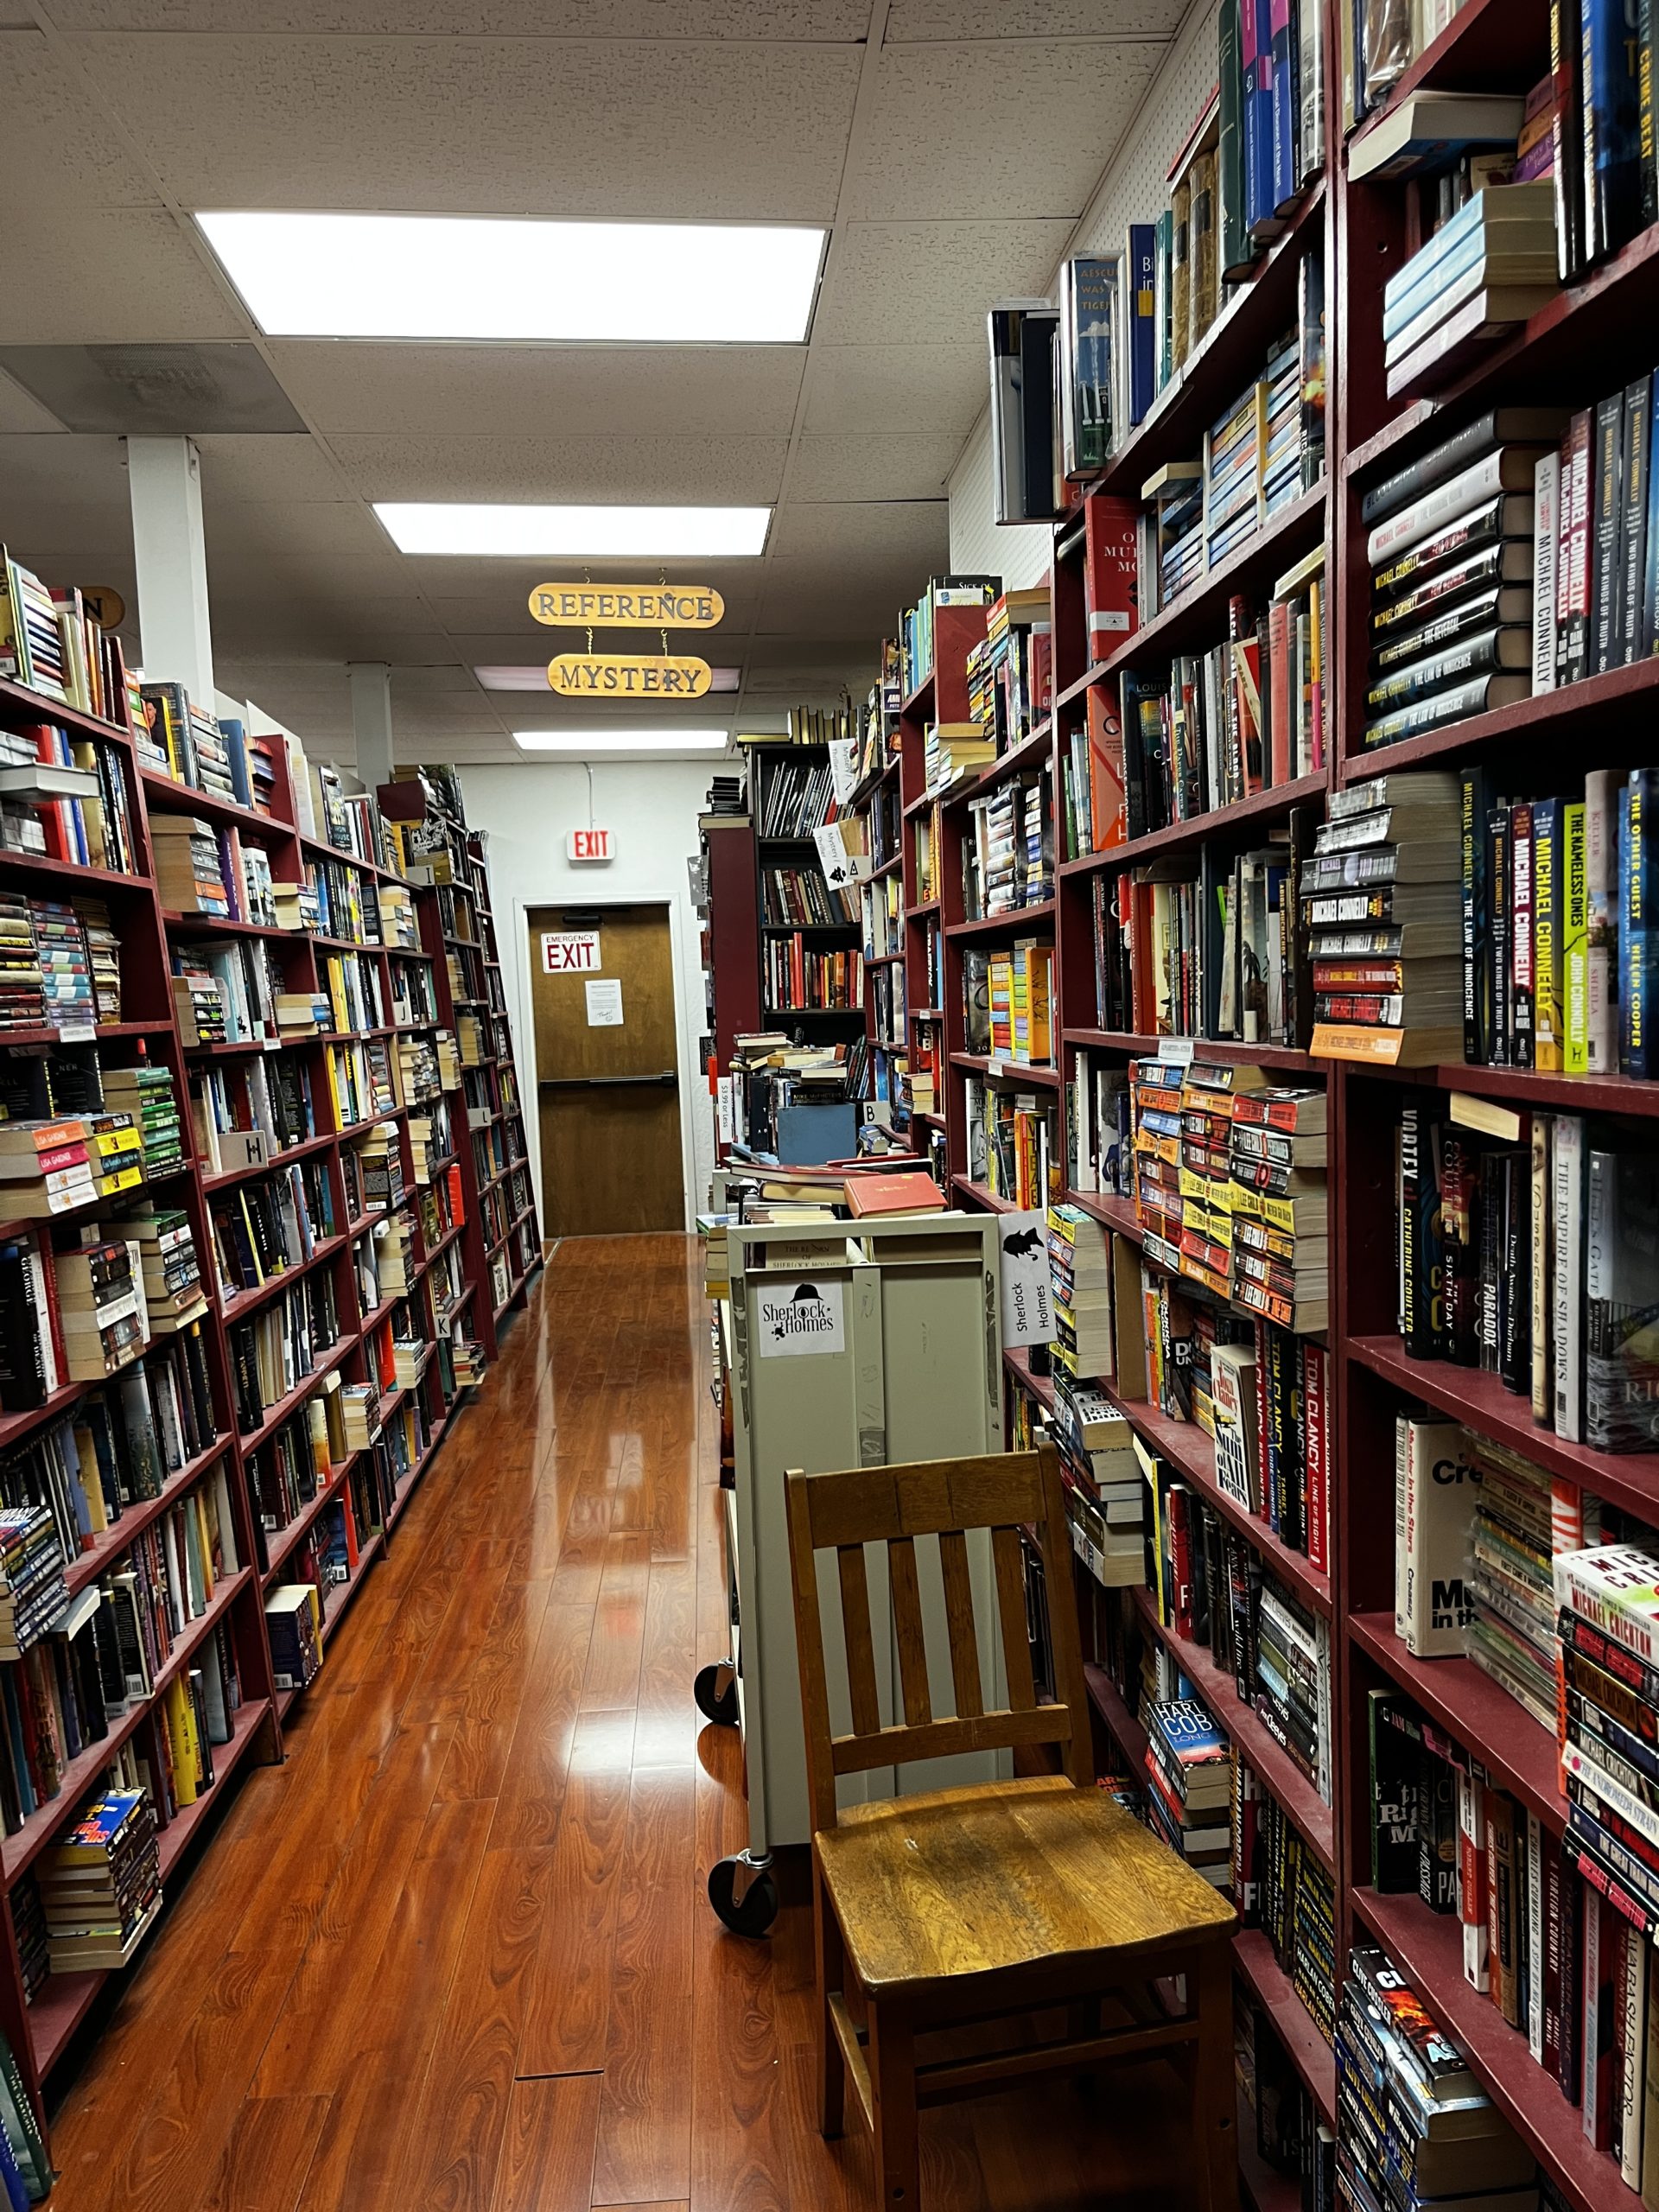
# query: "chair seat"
[[989, 1880]]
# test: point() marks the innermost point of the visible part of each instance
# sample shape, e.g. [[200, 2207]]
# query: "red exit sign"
[[591, 845]]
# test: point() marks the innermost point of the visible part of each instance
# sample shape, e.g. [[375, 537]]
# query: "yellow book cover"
[[181, 1741]]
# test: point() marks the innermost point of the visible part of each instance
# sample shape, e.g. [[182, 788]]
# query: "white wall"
[[653, 806]]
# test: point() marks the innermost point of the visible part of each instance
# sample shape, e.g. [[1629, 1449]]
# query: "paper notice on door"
[[604, 1001], [796, 1317]]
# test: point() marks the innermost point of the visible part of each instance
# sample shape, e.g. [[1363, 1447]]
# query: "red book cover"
[[457, 1200], [1107, 816], [1180, 1549], [1500, 1840], [1278, 690], [1109, 573], [44, 739], [1042, 672], [1314, 1421], [1246, 689]]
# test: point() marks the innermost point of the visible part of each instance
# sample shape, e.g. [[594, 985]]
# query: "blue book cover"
[[1141, 253], [1192, 1737], [1259, 195], [1612, 124], [1283, 56]]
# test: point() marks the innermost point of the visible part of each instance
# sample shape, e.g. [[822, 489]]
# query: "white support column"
[[371, 720], [170, 553]]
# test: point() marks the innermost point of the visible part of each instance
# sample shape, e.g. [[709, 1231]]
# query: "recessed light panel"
[[587, 743], [306, 275], [485, 531]]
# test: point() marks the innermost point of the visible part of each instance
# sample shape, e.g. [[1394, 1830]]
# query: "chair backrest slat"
[[907, 1630], [860, 1646], [1011, 1611], [946, 1498], [959, 1613]]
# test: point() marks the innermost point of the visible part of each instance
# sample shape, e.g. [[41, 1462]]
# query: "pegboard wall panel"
[[1132, 189]]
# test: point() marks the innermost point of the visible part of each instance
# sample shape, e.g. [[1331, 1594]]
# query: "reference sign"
[[628, 606]]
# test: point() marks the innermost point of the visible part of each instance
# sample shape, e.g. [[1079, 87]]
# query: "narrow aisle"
[[455, 1953]]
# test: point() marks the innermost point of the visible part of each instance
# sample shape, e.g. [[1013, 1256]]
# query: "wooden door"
[[607, 1090]]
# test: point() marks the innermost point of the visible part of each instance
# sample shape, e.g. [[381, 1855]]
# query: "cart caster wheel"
[[715, 1692], [744, 1895]]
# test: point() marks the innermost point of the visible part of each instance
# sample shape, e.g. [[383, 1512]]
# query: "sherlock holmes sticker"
[[800, 1316]]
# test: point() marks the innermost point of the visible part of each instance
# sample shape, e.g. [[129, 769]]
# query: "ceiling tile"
[[577, 127], [622, 471], [57, 149], [930, 282], [979, 148], [786, 21], [1006, 20], [118, 275], [234, 470], [22, 417], [525, 392], [909, 466], [933, 388]]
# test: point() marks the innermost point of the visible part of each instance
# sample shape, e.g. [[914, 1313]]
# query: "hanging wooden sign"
[[605, 676], [628, 606]]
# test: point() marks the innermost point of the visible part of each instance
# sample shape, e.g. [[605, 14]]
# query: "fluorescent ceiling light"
[[483, 278], [534, 678], [480, 529], [620, 740]]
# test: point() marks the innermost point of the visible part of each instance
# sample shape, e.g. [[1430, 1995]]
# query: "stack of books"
[[1395, 834], [1452, 568], [1209, 1098], [145, 1092], [1413, 2122], [31, 643], [298, 907], [1608, 1618], [172, 1274], [46, 1167], [66, 969], [1491, 266], [1170, 543], [22, 1003], [104, 957], [294, 1624], [1521, 1520], [1281, 1250], [1234, 457], [1282, 470], [1190, 1774], [32, 1593], [101, 1886], [953, 753], [186, 742], [198, 1002], [190, 869], [101, 1302], [116, 1150], [1080, 1271]]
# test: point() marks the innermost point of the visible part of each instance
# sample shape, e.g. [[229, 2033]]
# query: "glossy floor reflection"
[[455, 1953]]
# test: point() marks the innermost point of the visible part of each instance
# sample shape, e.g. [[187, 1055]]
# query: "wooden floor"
[[455, 1953]]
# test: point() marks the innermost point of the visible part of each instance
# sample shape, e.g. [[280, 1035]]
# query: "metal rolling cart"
[[851, 1344]]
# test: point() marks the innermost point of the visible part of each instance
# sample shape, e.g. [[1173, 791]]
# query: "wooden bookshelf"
[[41, 2032]]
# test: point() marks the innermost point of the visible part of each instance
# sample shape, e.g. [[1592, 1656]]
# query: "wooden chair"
[[1000, 1901]]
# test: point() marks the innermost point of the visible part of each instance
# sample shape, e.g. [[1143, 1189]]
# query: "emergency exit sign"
[[591, 845]]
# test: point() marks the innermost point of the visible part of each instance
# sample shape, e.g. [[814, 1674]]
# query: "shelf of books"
[[1274, 906], [264, 1207]]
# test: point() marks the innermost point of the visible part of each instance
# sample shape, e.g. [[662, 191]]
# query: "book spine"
[[1497, 876], [1477, 1000], [1521, 936], [1566, 1145], [1633, 487], [1548, 1015], [1545, 525], [1316, 1449]]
